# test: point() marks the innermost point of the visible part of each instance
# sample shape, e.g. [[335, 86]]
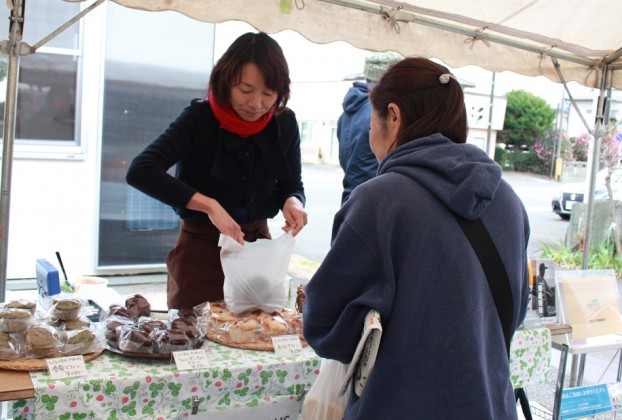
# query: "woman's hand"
[[295, 215], [218, 216]]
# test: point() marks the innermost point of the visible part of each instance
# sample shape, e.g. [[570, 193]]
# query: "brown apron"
[[195, 274]]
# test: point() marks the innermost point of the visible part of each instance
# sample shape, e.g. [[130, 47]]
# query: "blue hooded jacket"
[[397, 248], [355, 156]]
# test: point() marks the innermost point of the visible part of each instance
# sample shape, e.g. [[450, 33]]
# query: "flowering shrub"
[[580, 147]]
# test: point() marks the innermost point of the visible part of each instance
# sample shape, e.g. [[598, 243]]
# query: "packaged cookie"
[[12, 346], [245, 330], [15, 320]]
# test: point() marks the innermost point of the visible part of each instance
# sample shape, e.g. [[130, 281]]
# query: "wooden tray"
[[257, 345], [39, 364]]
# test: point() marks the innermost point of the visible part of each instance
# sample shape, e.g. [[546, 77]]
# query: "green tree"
[[527, 117]]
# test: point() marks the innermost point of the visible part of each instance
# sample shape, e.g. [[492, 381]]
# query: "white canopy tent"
[[563, 40]]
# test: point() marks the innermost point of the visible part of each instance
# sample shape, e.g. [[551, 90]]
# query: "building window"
[[47, 94], [152, 72], [306, 132]]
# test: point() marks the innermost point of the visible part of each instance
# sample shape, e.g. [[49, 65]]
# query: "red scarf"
[[231, 121]]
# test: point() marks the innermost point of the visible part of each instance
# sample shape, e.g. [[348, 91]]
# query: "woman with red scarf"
[[237, 157]]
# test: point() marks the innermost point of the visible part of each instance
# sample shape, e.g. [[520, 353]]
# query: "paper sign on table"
[[286, 345], [66, 367], [190, 359]]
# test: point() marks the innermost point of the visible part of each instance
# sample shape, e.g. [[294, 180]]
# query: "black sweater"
[[250, 177]]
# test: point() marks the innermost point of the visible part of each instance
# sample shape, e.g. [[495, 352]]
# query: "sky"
[[334, 61]]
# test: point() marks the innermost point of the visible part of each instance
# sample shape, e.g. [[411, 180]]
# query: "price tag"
[[66, 367], [190, 359], [286, 345]]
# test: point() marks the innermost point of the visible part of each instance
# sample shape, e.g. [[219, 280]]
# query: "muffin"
[[65, 308], [76, 324], [22, 304], [14, 320], [42, 341], [79, 342], [138, 306], [244, 330]]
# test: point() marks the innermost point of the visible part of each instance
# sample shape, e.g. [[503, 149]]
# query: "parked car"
[[575, 192]]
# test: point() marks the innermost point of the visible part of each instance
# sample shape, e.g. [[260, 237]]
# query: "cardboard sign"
[[66, 367], [286, 345], [590, 305], [190, 359]]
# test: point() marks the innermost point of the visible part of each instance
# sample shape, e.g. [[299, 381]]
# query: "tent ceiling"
[[516, 35]]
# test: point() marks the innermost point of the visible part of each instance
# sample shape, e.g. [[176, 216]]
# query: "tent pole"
[[15, 39], [599, 133]]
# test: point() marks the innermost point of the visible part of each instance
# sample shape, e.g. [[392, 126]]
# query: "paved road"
[[323, 188]]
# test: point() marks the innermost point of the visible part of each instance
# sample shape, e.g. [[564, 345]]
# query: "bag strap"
[[495, 272], [499, 284]]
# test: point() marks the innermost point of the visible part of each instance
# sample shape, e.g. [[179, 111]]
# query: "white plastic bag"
[[323, 401], [255, 272]]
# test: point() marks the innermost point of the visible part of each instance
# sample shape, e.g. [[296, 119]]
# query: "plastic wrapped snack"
[[245, 330], [12, 346], [65, 308], [111, 324], [131, 339], [22, 304], [168, 341], [138, 306], [42, 341], [80, 342], [15, 320]]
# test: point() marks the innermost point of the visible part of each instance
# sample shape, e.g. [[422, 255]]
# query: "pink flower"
[[100, 397], [317, 371], [194, 389], [267, 398], [259, 367], [125, 400], [176, 374], [239, 385], [297, 376], [218, 384], [51, 386], [148, 379], [74, 403], [26, 409]]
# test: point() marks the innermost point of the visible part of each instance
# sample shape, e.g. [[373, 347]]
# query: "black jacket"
[[250, 177]]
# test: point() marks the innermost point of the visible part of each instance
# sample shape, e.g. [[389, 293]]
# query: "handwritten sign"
[[66, 367], [287, 345], [190, 359]]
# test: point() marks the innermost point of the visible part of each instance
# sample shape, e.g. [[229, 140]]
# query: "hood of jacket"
[[461, 176], [356, 97]]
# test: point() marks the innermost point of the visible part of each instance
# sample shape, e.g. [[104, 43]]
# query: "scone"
[[65, 308], [14, 320], [274, 325], [42, 341], [244, 330], [22, 304]]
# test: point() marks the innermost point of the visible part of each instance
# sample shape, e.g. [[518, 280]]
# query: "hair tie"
[[444, 78]]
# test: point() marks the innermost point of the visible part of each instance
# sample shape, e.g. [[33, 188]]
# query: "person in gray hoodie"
[[397, 248], [355, 157]]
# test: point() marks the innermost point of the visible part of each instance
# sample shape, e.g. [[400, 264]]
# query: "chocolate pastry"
[[138, 306], [132, 339], [150, 324]]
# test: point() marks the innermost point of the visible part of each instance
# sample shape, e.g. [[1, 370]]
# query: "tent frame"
[[394, 13]]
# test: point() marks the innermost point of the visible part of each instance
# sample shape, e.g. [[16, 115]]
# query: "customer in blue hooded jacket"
[[355, 157], [397, 248]]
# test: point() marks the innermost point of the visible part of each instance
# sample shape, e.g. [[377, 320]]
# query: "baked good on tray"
[[15, 320], [65, 308], [43, 341], [250, 326]]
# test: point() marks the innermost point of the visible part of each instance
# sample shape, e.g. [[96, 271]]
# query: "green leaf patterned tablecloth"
[[530, 356], [121, 388]]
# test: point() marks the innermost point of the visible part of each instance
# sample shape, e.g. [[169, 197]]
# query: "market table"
[[120, 387]]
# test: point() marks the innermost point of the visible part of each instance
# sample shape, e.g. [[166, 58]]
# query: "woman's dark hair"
[[265, 53], [428, 106]]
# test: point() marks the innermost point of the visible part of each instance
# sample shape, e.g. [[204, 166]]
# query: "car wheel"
[[564, 216]]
